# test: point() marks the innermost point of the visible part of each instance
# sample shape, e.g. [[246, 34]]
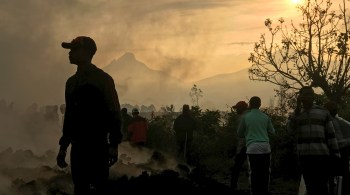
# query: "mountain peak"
[[128, 56]]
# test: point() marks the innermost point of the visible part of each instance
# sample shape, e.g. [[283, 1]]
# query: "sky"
[[189, 39]]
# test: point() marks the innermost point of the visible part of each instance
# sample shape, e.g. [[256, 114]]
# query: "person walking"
[[316, 142], [184, 127], [126, 119], [137, 129], [241, 156], [342, 134], [255, 127], [92, 121]]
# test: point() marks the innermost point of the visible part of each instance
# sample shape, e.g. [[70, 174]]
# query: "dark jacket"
[[183, 124], [92, 110]]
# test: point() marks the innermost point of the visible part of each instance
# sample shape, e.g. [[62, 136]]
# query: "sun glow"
[[296, 1]]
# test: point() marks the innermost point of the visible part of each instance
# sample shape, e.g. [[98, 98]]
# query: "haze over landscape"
[[189, 40], [155, 50]]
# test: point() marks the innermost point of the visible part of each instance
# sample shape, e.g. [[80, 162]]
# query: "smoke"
[[172, 36], [29, 146]]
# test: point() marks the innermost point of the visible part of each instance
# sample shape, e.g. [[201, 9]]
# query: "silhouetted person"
[[126, 119], [137, 129], [316, 141], [255, 126], [92, 121], [184, 127], [342, 133], [241, 155]]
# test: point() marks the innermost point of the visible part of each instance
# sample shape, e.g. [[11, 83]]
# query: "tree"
[[315, 53], [195, 94]]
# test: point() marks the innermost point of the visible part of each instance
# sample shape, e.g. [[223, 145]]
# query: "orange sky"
[[190, 39]]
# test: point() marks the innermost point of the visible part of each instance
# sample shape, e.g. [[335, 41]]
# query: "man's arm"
[[66, 138], [114, 122], [330, 136], [114, 114]]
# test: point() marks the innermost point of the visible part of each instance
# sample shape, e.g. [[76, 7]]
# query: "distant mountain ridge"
[[140, 85]]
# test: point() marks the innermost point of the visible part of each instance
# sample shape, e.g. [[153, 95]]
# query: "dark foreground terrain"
[[23, 173]]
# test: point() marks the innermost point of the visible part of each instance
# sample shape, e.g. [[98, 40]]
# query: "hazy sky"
[[190, 39]]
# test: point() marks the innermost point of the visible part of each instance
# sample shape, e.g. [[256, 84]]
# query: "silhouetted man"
[[342, 133], [184, 126], [126, 119], [92, 122], [316, 141], [241, 155]]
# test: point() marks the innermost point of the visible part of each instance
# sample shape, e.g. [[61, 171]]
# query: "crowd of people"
[[94, 124]]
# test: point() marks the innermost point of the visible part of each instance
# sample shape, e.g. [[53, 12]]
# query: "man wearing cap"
[[316, 141], [241, 107], [92, 121], [137, 129]]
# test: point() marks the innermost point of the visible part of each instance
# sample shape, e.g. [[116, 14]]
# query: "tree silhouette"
[[195, 94], [315, 52]]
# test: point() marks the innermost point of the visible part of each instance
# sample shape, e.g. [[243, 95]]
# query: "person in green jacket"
[[255, 127]]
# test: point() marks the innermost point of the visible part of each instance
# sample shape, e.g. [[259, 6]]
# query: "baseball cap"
[[81, 42], [240, 105]]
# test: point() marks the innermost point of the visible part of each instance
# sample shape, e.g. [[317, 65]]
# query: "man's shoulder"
[[101, 73], [71, 78], [318, 108]]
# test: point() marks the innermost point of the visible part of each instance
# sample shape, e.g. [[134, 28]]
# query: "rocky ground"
[[146, 171]]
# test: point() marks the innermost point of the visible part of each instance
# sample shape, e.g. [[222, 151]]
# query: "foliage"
[[168, 109], [215, 141], [313, 53], [160, 134], [195, 94]]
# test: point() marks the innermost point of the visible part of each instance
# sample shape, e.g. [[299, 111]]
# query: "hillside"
[[138, 84], [227, 89]]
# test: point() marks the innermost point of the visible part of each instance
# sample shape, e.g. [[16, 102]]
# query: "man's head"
[[306, 96], [82, 49], [135, 111], [240, 107], [254, 102], [124, 110], [185, 109], [332, 107]]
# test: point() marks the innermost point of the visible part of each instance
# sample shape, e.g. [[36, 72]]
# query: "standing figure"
[[137, 129], [184, 127], [241, 155], [126, 119], [255, 126], [342, 133], [316, 141], [92, 121]]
